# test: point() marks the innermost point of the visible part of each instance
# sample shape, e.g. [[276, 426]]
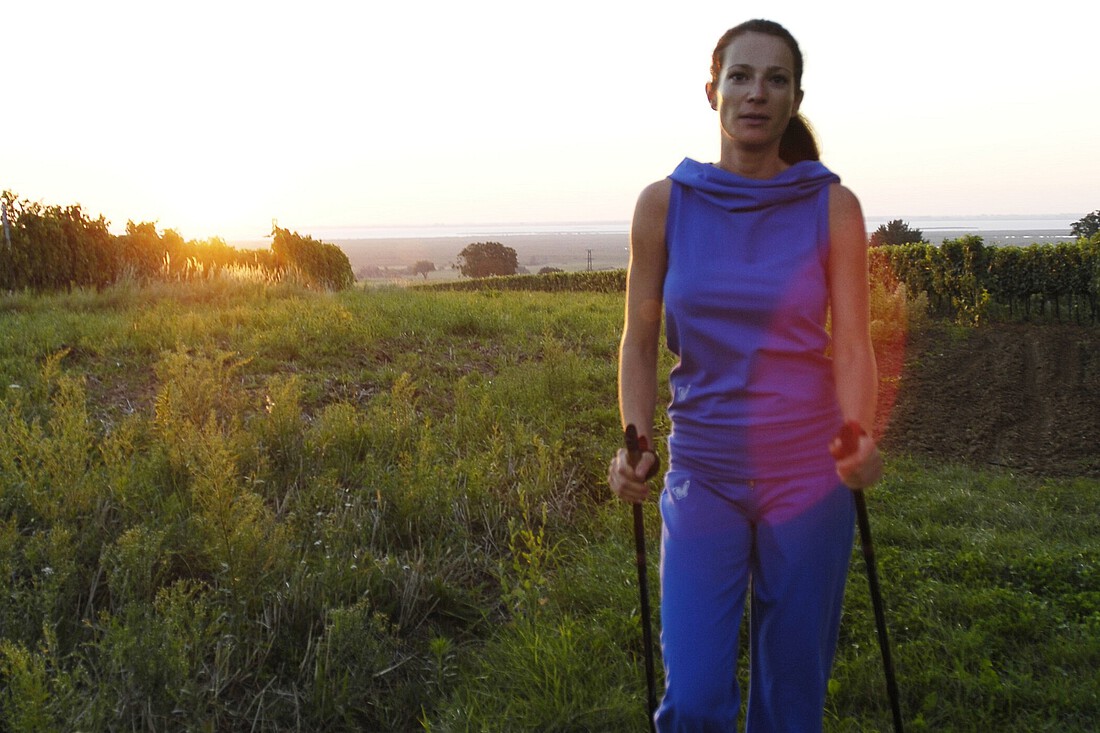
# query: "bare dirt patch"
[[1021, 396]]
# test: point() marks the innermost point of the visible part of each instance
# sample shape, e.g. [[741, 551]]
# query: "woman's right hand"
[[629, 482]]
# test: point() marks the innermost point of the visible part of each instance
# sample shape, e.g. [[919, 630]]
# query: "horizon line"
[[608, 226], [605, 222]]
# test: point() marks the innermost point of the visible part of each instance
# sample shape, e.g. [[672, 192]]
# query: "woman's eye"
[[780, 80]]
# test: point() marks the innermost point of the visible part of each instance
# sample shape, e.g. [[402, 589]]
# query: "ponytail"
[[798, 142]]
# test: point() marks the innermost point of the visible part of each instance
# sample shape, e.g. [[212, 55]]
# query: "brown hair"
[[798, 141]]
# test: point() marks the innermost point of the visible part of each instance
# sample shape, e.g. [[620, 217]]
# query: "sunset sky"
[[213, 118]]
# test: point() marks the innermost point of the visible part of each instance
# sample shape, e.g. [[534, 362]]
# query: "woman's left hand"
[[859, 468]]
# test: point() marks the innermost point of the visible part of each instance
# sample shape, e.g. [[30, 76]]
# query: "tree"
[[896, 232], [319, 263], [1086, 226], [48, 248], [142, 249], [484, 259], [423, 267]]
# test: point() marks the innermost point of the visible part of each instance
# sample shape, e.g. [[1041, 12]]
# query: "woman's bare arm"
[[854, 367], [639, 346]]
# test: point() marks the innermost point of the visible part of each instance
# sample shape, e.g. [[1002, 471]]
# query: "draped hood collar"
[[732, 192]]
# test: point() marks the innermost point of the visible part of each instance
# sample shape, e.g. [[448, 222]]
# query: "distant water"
[[998, 223], [931, 225], [440, 231]]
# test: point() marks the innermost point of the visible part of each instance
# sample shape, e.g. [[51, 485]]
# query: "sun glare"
[[379, 114]]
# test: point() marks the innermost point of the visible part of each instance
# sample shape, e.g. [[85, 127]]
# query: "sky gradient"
[[213, 118]]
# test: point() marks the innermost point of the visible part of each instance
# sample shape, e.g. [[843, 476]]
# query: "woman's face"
[[755, 93]]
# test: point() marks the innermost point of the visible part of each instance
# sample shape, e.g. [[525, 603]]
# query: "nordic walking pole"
[[849, 443], [635, 446]]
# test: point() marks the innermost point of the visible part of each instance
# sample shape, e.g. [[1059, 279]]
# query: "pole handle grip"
[[636, 445], [848, 438]]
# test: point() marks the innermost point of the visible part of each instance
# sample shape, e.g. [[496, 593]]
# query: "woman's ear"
[[711, 97]]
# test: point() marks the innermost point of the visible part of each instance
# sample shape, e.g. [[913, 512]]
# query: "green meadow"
[[245, 506]]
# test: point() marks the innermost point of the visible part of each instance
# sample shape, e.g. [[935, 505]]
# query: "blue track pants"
[[793, 540]]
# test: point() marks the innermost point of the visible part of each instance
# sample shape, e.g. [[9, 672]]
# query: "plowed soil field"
[[1020, 396]]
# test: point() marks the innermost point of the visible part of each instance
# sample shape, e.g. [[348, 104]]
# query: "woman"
[[747, 257]]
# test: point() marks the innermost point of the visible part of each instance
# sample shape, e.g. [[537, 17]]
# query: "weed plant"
[[251, 506]]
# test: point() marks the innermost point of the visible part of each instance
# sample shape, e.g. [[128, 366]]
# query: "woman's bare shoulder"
[[843, 203], [652, 207], [656, 194], [846, 225]]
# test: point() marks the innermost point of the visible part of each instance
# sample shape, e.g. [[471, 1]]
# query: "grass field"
[[253, 507]]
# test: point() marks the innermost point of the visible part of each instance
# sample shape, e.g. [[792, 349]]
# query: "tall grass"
[[258, 507]]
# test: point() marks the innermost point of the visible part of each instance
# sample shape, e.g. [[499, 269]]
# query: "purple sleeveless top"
[[746, 297]]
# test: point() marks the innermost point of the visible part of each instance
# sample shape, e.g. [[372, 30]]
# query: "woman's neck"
[[750, 163]]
